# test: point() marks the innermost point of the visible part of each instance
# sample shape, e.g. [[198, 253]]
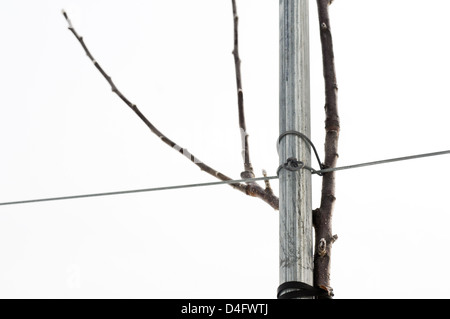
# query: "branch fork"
[[251, 188]]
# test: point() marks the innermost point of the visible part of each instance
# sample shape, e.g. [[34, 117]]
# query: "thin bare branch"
[[267, 182], [251, 189], [322, 217], [248, 173]]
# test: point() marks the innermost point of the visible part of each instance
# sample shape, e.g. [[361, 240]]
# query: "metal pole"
[[296, 244]]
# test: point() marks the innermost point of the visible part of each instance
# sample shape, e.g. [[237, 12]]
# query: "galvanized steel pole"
[[296, 244]]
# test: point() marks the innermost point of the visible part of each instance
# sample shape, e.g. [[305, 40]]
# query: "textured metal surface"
[[296, 245]]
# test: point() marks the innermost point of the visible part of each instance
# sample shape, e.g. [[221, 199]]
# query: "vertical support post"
[[296, 244]]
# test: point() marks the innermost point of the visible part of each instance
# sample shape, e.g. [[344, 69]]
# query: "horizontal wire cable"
[[391, 160], [163, 188], [246, 180]]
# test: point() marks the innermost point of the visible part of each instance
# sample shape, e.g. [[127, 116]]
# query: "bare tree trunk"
[[322, 217]]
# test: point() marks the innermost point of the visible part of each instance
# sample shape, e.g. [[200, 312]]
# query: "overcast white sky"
[[63, 132]]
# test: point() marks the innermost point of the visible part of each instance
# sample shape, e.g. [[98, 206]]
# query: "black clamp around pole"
[[308, 141], [297, 289], [292, 164]]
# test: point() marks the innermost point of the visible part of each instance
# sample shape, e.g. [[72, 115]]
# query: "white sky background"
[[63, 132]]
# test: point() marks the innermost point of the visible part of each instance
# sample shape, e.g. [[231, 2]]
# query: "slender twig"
[[322, 217], [251, 189], [267, 182], [248, 173]]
